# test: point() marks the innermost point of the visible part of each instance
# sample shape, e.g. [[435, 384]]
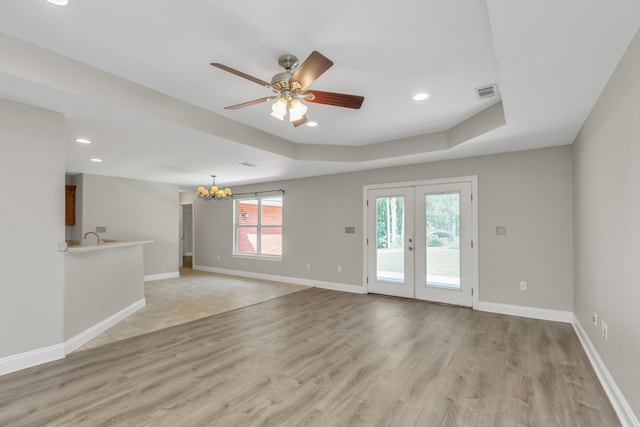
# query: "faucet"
[[94, 233]]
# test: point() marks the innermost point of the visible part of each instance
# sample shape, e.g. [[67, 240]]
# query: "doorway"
[[422, 240], [185, 244]]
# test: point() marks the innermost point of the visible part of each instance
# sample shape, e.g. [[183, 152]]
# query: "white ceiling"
[[134, 77]]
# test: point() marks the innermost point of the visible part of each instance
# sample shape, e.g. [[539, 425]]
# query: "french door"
[[420, 242]]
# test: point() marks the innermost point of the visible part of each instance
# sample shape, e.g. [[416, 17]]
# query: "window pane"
[[271, 241], [390, 239], [247, 211], [247, 240], [272, 211], [443, 240]]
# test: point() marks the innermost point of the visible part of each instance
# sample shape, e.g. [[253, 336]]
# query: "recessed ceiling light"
[[59, 2], [95, 159], [312, 124], [83, 141], [420, 96]]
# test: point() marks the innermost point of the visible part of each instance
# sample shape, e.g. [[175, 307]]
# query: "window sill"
[[257, 257]]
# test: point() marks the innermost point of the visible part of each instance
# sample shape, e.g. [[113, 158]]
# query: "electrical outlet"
[[308, 267], [604, 329], [218, 257], [523, 286], [594, 319], [339, 269]]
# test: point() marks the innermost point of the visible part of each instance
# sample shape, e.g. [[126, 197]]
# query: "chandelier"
[[214, 193], [288, 102]]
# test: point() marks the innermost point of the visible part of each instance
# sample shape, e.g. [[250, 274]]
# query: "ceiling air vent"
[[485, 92], [249, 165]]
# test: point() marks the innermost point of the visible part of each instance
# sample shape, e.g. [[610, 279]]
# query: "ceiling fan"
[[290, 88]]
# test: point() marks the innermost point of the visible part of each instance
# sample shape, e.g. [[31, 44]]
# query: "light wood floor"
[[193, 295], [322, 358]]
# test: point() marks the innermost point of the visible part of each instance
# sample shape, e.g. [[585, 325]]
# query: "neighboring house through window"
[[258, 227]]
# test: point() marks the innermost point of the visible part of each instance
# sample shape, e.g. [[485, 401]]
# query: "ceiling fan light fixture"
[[296, 110], [279, 109]]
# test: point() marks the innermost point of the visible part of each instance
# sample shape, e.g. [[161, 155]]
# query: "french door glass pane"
[[390, 239], [443, 240]]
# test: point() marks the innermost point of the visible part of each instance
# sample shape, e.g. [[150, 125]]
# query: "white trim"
[[475, 236], [524, 311], [257, 257], [343, 287], [87, 335], [188, 254], [365, 233], [431, 181], [619, 403], [150, 277], [18, 362]]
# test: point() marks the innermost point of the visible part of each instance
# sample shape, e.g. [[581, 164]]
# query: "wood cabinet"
[[70, 205]]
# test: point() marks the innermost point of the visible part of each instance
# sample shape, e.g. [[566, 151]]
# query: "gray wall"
[[135, 210], [31, 268], [529, 192], [607, 223]]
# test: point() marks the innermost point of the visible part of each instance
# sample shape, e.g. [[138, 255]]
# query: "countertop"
[[105, 246]]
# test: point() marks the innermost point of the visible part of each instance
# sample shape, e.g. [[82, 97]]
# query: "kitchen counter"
[[103, 285], [104, 246]]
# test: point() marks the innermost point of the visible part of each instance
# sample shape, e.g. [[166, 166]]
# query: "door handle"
[[410, 248], [410, 240]]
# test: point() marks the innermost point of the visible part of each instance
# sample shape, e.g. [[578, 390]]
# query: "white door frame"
[[474, 232]]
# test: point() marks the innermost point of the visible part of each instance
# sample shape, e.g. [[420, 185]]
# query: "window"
[[258, 227]]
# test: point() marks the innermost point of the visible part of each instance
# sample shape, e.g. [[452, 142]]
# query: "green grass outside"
[[440, 261]]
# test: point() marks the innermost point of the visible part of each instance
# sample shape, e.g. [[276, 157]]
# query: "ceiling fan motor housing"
[[281, 80]]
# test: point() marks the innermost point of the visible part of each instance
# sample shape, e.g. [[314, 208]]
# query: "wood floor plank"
[[322, 358]]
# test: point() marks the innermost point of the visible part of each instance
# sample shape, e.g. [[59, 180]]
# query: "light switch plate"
[[101, 229]]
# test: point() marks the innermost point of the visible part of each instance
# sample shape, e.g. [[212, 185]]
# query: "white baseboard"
[[524, 311], [619, 403], [28, 359], [344, 287], [87, 335], [172, 275]]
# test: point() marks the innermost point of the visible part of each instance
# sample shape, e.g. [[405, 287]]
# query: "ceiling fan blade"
[[331, 98], [243, 75], [312, 68], [250, 103], [299, 122]]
